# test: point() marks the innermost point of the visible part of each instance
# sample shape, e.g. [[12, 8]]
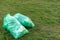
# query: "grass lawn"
[[44, 13]]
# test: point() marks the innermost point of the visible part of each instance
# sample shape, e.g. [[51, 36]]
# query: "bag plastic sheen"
[[14, 26]]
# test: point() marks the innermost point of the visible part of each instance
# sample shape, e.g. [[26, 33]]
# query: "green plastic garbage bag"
[[14, 26], [24, 20]]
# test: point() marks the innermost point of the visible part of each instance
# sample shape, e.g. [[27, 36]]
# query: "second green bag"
[[24, 20]]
